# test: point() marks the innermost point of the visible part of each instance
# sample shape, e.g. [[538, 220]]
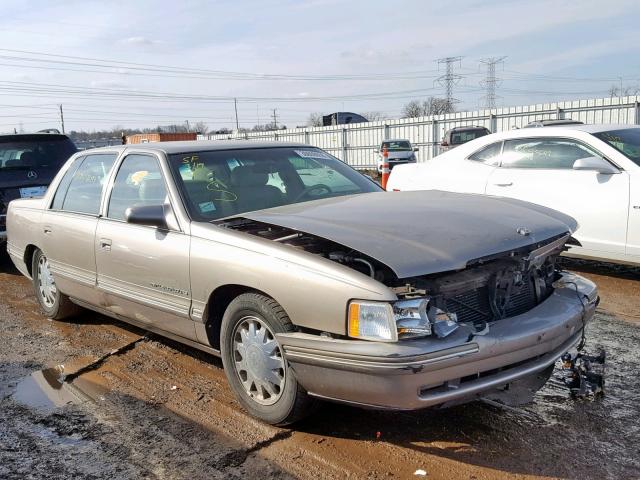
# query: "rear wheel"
[[53, 303], [254, 362]]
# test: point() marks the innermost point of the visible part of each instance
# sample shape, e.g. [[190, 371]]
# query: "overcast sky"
[[297, 57]]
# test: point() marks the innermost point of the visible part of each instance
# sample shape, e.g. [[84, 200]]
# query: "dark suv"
[[28, 163], [459, 135]]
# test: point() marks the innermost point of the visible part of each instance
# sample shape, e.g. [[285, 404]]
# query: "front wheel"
[[254, 363], [53, 303]]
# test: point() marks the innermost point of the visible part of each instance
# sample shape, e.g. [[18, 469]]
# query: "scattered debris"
[[584, 374]]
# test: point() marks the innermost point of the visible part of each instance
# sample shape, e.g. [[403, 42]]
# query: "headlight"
[[372, 321], [403, 319]]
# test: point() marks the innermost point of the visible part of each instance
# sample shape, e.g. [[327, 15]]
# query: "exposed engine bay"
[[489, 289]]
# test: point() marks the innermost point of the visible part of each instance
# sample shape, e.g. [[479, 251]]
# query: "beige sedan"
[[304, 276]]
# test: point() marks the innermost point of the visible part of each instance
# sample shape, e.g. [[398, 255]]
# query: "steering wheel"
[[320, 188]]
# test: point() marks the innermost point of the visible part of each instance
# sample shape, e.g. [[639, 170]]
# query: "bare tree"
[[314, 120], [412, 109], [200, 127], [374, 116], [430, 106], [618, 91]]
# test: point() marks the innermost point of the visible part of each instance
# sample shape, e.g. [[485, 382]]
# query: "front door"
[[70, 224], [143, 270], [633, 237], [540, 170]]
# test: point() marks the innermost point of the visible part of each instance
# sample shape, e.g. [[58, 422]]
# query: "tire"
[[54, 304], [279, 402]]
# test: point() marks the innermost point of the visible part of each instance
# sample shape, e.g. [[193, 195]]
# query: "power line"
[[449, 79], [491, 81]]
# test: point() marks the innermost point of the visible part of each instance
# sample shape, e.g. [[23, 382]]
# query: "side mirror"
[[416, 149], [150, 215], [597, 164]]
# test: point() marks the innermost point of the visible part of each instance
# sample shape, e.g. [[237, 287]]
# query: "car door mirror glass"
[[149, 215], [597, 164]]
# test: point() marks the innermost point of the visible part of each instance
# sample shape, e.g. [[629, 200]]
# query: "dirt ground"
[[155, 409]]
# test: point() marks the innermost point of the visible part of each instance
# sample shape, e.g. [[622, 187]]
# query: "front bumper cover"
[[419, 373]]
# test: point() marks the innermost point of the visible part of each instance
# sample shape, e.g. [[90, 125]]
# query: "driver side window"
[[544, 153], [138, 182]]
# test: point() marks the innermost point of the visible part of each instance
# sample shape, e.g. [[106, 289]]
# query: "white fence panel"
[[355, 143]]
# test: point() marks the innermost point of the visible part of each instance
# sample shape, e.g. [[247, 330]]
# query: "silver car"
[[386, 300]]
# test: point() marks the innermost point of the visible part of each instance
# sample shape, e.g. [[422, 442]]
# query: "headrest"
[[247, 176], [152, 190], [27, 158]]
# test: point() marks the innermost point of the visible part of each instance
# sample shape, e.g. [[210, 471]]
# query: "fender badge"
[[523, 231], [32, 174]]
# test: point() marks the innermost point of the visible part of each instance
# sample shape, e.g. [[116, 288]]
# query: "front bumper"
[[425, 372]]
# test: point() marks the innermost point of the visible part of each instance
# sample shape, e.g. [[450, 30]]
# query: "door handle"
[[105, 244], [503, 184]]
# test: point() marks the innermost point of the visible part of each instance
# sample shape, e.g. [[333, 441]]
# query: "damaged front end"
[[489, 289]]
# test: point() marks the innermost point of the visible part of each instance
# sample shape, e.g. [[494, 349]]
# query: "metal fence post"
[[344, 145], [493, 123], [434, 138], [559, 114], [386, 132], [636, 112], [306, 137]]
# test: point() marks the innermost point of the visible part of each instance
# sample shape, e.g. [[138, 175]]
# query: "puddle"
[[46, 389]]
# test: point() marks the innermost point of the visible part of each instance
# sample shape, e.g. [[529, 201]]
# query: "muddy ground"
[[158, 410]]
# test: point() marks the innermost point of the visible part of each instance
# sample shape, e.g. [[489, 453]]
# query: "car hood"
[[422, 232], [401, 155]]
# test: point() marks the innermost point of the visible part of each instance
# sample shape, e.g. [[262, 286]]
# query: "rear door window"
[[85, 189]]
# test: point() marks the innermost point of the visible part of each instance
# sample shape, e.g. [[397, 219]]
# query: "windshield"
[[626, 141], [223, 183], [34, 152], [464, 136], [396, 146]]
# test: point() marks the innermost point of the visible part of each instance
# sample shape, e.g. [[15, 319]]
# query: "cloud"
[[140, 41]]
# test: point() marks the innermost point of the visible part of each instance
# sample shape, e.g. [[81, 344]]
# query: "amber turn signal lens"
[[354, 320]]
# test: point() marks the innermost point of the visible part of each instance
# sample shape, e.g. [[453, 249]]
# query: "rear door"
[[540, 170], [69, 226], [143, 270], [633, 237]]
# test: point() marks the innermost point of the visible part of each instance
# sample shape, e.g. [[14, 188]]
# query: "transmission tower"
[[449, 79], [491, 81]]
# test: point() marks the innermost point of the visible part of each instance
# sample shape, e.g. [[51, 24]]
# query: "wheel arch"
[[217, 304], [29, 251]]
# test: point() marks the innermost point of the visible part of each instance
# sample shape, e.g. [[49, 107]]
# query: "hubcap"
[[258, 360], [46, 284]]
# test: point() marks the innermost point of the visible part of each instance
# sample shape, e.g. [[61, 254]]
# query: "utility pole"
[[235, 106], [275, 119], [61, 118], [491, 81], [188, 126], [449, 79]]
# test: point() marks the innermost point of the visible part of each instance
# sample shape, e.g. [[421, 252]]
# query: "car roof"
[[470, 127], [201, 146], [30, 136], [395, 140]]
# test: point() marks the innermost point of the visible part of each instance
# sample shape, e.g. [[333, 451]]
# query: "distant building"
[[341, 118], [159, 137]]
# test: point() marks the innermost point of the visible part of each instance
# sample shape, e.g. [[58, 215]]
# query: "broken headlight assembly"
[[401, 320]]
